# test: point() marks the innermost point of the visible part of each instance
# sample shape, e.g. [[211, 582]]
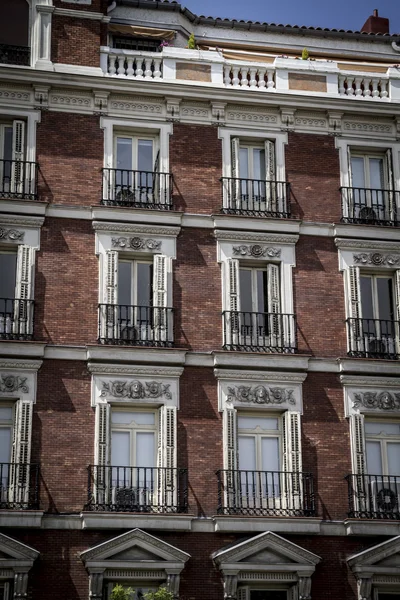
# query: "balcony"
[[18, 179], [15, 55], [259, 332], [137, 189], [137, 489], [374, 496], [131, 63], [373, 338], [255, 198], [369, 207], [16, 319], [136, 325], [265, 493], [19, 486]]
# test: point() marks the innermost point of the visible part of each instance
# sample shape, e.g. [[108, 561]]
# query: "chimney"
[[376, 24]]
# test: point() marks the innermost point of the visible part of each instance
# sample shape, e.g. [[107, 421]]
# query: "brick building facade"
[[199, 305]]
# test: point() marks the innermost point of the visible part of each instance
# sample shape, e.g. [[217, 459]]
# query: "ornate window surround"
[[16, 563], [276, 560], [161, 562], [32, 117], [371, 396], [344, 143]]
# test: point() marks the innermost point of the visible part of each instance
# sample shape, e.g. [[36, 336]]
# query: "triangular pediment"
[[265, 549], [386, 554], [13, 551], [135, 547]]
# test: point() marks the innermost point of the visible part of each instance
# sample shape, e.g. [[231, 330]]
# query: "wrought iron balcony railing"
[[373, 338], [18, 179], [19, 486], [136, 325], [137, 489], [138, 189], [259, 332], [15, 55], [265, 493], [256, 198], [16, 319], [369, 207], [374, 496]]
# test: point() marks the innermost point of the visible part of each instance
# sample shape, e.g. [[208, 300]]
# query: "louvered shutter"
[[355, 312], [397, 310], [109, 312], [270, 177], [102, 473], [230, 478], [161, 323], [21, 452], [234, 189], [390, 208], [167, 457], [348, 193], [243, 593], [232, 314], [23, 291], [292, 461], [360, 483], [18, 157], [159, 191], [275, 328]]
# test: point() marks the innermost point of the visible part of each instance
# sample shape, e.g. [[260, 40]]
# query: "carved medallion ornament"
[[136, 243], [13, 235], [377, 400], [377, 259], [13, 383], [135, 390], [256, 251], [260, 394]]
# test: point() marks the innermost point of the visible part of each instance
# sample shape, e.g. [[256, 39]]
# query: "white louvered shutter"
[[167, 457], [161, 322], [101, 472], [397, 308], [109, 313], [21, 452], [18, 157], [275, 325], [359, 483], [234, 188], [389, 197], [232, 316], [111, 277], [230, 477], [292, 460], [23, 322], [348, 194], [157, 188], [355, 312], [270, 177], [243, 593]]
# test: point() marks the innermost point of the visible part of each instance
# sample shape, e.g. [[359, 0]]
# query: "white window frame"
[[258, 435], [384, 440], [133, 428], [134, 273], [135, 136]]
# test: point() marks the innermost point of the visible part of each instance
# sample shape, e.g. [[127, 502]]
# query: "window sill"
[[104, 520], [21, 518]]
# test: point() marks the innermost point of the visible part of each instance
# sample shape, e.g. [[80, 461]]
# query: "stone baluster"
[[384, 92], [148, 73], [139, 65], [358, 90], [342, 89], [121, 66], [157, 68], [271, 81], [253, 80], [261, 79], [367, 84], [129, 70], [350, 90], [235, 76], [227, 76], [111, 64], [244, 81], [375, 91]]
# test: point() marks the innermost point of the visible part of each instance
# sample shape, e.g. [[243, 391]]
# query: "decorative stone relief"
[[81, 101], [260, 394], [101, 100], [17, 94], [304, 586], [230, 587], [12, 235], [335, 120], [256, 251], [13, 383], [377, 400], [136, 390], [240, 113], [42, 96], [218, 110], [310, 122], [377, 259], [140, 107], [172, 105], [136, 243], [287, 116], [368, 127]]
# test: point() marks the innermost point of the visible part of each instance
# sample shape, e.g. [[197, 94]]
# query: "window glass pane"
[[393, 456], [388, 428], [374, 462], [120, 448], [144, 284], [145, 449], [140, 418], [366, 298], [5, 444], [268, 595], [245, 290], [376, 173], [357, 171], [8, 134], [145, 155], [8, 268], [247, 453], [385, 298], [6, 413], [262, 291], [265, 423], [258, 163], [270, 454], [125, 282], [244, 163], [124, 153]]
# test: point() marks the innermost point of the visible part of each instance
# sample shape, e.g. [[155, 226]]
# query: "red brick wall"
[[319, 298], [76, 41], [312, 167], [70, 156], [196, 163], [66, 283]]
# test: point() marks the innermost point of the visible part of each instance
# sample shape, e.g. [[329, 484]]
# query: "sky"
[[339, 14]]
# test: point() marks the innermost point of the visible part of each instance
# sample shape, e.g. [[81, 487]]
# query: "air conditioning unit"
[[380, 346], [385, 496], [125, 498], [367, 214], [128, 333]]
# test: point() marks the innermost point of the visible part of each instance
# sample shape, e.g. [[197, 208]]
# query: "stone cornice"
[[22, 365], [349, 380], [347, 244], [230, 374], [130, 371], [22, 221], [107, 227], [245, 236]]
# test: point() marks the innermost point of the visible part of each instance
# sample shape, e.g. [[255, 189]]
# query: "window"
[[135, 288], [17, 177], [5, 591], [132, 43], [373, 323], [382, 441], [16, 304]]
